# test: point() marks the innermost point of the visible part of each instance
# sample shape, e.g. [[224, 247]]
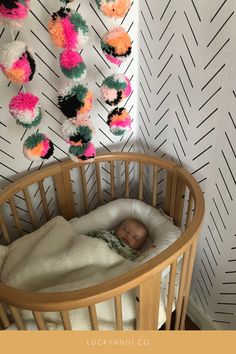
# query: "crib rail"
[[183, 200]]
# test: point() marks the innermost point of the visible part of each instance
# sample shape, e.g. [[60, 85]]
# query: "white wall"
[[187, 111]]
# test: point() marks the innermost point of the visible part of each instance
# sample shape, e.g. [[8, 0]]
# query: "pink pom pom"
[[24, 101], [25, 108], [70, 59], [69, 33], [13, 12]]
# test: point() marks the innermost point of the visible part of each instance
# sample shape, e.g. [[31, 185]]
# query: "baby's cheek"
[[134, 242]]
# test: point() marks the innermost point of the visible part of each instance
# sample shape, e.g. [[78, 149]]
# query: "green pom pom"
[[79, 23], [118, 132], [106, 47], [77, 150], [98, 2], [80, 91], [75, 72], [35, 122], [23, 2], [114, 84], [33, 140], [85, 132]]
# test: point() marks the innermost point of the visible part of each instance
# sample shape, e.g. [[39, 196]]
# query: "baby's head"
[[132, 232]]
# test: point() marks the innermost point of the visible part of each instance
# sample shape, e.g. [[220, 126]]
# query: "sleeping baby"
[[126, 239]]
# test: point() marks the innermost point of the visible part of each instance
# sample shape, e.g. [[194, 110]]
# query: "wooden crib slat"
[[170, 297], [181, 289], [189, 210], [148, 305], [179, 202], [168, 192], [70, 203], [99, 188], [173, 193], [140, 189], [44, 200], [65, 320], [85, 189], [15, 215], [93, 317], [127, 179], [118, 311], [30, 207], [112, 179], [60, 192], [4, 229], [39, 320], [3, 317], [154, 186], [17, 318], [188, 284]]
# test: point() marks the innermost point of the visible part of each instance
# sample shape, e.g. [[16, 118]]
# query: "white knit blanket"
[[54, 258]]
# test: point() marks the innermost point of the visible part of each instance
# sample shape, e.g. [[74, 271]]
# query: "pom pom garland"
[[114, 8], [72, 65], [38, 147], [85, 152], [16, 62], [75, 100], [14, 12], [77, 133], [115, 89], [116, 45], [68, 29], [25, 108], [119, 121]]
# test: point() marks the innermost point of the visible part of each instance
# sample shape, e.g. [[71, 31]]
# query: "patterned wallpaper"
[[187, 112], [49, 79], [183, 105]]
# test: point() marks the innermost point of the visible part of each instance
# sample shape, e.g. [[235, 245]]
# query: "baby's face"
[[132, 233]]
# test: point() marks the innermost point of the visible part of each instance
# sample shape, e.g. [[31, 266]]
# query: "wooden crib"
[[182, 199]]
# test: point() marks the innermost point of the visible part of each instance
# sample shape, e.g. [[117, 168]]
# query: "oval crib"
[[111, 176]]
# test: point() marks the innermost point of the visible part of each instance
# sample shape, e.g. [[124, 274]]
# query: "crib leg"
[[183, 318], [3, 317], [148, 305], [188, 283]]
